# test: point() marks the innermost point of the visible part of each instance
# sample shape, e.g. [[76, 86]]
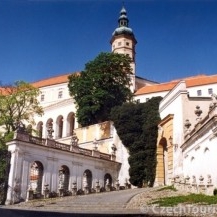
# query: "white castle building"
[[60, 161]]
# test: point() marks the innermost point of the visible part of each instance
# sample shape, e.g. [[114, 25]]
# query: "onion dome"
[[123, 24]]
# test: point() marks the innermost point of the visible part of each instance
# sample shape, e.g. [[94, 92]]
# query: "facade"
[[64, 156], [47, 167], [186, 138]]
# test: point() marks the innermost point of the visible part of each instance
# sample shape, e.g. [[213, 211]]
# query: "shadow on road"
[[25, 213]]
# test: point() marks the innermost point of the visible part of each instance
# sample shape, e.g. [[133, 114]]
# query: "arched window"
[[107, 179], [49, 125], [36, 175], [87, 179], [40, 129], [59, 127], [64, 177], [70, 123]]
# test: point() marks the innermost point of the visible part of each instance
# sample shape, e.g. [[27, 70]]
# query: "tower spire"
[[123, 41]]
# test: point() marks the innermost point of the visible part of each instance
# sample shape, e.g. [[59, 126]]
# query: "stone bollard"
[[74, 188], [61, 192], [108, 187], [177, 180], [126, 184], [29, 194], [187, 184], [194, 185], [201, 186], [209, 186], [86, 189], [97, 187], [46, 191]]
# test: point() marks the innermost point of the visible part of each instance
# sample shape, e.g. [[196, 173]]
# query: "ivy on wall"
[[137, 127]]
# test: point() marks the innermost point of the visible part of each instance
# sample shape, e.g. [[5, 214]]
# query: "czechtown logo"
[[192, 209]]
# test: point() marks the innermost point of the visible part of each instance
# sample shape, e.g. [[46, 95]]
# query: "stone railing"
[[194, 185], [61, 146]]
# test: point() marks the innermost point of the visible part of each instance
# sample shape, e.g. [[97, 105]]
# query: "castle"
[[67, 156]]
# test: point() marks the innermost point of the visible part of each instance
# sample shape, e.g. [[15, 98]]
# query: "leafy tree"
[[137, 127], [104, 84], [18, 103]]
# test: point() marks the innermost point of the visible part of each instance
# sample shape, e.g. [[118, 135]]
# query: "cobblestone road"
[[131, 202]]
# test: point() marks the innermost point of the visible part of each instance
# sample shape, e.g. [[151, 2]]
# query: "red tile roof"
[[3, 91], [52, 81], [190, 82]]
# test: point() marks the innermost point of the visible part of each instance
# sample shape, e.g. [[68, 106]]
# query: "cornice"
[[59, 104], [200, 130]]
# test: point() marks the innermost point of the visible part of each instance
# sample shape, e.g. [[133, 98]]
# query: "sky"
[[45, 38]]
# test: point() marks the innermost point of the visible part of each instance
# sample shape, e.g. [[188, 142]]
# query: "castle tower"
[[123, 41]]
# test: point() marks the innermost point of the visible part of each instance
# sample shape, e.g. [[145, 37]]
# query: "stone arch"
[[107, 179], [59, 127], [36, 176], [87, 179], [29, 129], [162, 161], [64, 177], [49, 124], [39, 129], [70, 124]]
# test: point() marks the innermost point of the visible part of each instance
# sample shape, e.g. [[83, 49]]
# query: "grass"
[[186, 199], [170, 187]]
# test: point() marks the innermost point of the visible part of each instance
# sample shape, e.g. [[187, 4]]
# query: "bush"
[[137, 127]]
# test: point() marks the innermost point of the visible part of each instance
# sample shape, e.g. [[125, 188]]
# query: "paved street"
[[109, 203]]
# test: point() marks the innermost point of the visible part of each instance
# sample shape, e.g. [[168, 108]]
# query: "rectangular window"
[[60, 94], [127, 43], [199, 92], [138, 101], [119, 43], [42, 97], [210, 91]]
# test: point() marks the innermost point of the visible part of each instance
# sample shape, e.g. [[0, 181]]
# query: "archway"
[[36, 176], [87, 179], [107, 179], [162, 161], [49, 127], [70, 124], [40, 129], [64, 177], [59, 127]]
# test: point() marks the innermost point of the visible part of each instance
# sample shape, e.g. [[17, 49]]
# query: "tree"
[[104, 84], [18, 103], [137, 127]]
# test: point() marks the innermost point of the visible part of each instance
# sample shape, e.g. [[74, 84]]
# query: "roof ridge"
[[60, 75]]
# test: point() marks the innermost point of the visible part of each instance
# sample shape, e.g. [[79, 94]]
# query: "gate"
[[5, 157]]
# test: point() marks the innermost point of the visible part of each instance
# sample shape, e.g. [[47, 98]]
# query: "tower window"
[[119, 43], [127, 43]]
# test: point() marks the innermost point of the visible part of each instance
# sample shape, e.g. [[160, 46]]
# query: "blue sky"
[[45, 38]]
